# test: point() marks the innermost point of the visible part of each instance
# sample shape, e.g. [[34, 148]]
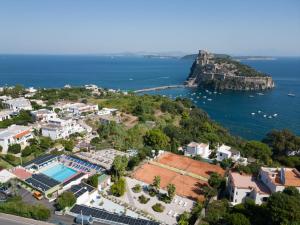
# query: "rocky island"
[[221, 72]]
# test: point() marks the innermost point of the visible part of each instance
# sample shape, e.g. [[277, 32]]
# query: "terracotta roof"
[[248, 182], [292, 177], [19, 135]]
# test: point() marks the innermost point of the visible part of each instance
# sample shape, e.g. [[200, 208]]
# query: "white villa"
[[17, 104], [226, 152], [76, 108], [194, 148], [106, 111], [61, 128], [277, 179], [79, 108], [5, 114], [270, 180], [14, 134], [43, 115], [241, 187]]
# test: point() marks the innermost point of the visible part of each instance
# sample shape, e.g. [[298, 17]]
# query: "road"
[[6, 219]]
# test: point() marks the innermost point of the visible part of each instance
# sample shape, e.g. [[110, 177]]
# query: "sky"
[[256, 27]]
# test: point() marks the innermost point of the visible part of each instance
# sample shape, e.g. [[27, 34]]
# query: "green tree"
[[215, 180], [14, 148], [118, 188], [171, 189], [257, 150], [184, 218], [284, 207], [216, 210], [237, 219], [66, 199], [156, 183], [156, 139], [93, 180], [119, 166]]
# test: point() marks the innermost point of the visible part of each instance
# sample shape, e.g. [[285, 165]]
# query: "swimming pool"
[[59, 172]]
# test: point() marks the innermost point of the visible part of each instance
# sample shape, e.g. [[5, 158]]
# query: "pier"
[[160, 88]]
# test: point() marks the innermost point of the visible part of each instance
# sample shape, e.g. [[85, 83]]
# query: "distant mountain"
[[194, 56]]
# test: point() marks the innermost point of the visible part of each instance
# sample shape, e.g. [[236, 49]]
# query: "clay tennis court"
[[186, 186], [187, 164]]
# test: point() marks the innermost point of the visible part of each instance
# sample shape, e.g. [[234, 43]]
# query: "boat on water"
[[265, 115], [259, 111], [259, 93], [204, 96], [130, 78], [253, 114], [275, 114], [270, 117], [251, 96], [291, 95], [209, 99]]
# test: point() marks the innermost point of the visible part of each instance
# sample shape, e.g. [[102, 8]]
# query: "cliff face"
[[224, 73]]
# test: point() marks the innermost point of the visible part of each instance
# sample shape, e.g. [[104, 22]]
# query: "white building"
[[225, 152], [31, 90], [79, 108], [107, 111], [43, 115], [5, 114], [241, 187], [17, 104], [194, 148], [91, 87], [59, 128], [14, 134], [277, 179], [5, 176]]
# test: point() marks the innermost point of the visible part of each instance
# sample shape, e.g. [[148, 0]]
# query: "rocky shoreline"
[[226, 74]]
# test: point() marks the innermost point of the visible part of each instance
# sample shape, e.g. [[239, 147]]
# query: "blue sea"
[[234, 110]]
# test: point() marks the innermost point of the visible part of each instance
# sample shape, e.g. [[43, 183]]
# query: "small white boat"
[[291, 95], [203, 102], [259, 111], [209, 99], [204, 96], [252, 114], [215, 92], [275, 114], [130, 78], [265, 115], [260, 93], [251, 96], [270, 117]]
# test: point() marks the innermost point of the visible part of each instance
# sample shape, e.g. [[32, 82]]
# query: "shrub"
[[143, 199], [137, 188], [93, 180], [118, 188], [66, 199], [165, 198], [15, 148], [158, 207], [152, 192]]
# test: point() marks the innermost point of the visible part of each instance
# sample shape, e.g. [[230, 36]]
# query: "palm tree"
[[171, 190], [156, 183]]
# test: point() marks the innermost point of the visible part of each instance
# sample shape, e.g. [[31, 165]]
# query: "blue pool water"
[[59, 172]]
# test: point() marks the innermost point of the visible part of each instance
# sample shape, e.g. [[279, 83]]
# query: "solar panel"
[[105, 215], [41, 159], [42, 182]]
